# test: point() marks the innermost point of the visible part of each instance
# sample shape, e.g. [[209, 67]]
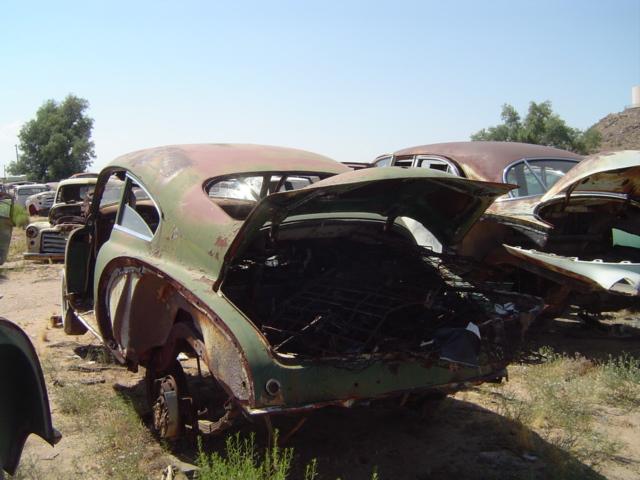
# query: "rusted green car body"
[[303, 296], [24, 404]]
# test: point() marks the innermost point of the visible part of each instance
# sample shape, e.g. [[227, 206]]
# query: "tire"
[[33, 211]]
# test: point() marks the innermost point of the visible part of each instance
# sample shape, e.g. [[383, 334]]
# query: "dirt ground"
[[462, 436]]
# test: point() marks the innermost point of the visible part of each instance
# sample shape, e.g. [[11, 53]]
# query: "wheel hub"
[[166, 410]]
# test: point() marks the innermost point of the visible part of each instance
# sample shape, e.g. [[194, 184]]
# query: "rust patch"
[[222, 242]]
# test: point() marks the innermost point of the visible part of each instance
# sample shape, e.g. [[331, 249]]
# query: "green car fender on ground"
[[24, 404]]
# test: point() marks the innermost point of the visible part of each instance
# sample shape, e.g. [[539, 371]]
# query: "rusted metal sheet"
[[619, 277], [519, 211]]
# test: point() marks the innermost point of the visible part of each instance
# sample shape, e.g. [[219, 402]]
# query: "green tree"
[[541, 126], [57, 142]]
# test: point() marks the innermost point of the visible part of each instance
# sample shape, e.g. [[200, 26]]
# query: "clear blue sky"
[[347, 79]]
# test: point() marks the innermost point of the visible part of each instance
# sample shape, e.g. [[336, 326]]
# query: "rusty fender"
[[207, 335]]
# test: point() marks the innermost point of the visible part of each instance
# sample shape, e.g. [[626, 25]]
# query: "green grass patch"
[[124, 442], [620, 381], [19, 216], [242, 461], [17, 247], [561, 400], [124, 448], [77, 400]]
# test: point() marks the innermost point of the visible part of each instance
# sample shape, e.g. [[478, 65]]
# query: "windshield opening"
[[74, 193]]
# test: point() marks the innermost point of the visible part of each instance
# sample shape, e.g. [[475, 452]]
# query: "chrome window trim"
[[525, 160], [133, 233]]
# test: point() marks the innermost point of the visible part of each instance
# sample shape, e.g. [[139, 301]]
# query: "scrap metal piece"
[[619, 277]]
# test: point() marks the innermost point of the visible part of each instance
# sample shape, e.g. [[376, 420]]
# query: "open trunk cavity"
[[352, 289], [594, 227]]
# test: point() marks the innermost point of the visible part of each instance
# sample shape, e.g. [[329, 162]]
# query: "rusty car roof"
[[487, 160], [157, 167]]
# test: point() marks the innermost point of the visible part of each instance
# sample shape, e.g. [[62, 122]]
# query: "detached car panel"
[[24, 405]]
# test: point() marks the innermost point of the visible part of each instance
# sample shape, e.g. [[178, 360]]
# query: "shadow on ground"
[[594, 337], [446, 439]]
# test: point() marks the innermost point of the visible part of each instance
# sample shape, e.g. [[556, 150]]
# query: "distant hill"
[[620, 131]]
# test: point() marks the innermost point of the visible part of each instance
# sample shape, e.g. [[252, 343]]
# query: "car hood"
[[611, 172], [60, 210], [445, 204], [40, 225]]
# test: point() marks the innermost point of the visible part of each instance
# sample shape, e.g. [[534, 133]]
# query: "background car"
[[47, 239], [568, 215], [533, 168], [291, 277], [22, 192], [40, 203], [594, 244]]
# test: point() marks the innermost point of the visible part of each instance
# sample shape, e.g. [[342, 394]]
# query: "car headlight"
[[32, 232]]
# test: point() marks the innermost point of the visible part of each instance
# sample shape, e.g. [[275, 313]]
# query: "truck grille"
[[53, 242]]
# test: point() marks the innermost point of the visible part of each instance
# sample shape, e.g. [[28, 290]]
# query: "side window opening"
[[436, 163], [536, 176], [74, 193], [138, 214], [384, 161], [404, 162]]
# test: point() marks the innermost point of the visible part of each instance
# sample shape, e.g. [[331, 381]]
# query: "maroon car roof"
[[487, 160]]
